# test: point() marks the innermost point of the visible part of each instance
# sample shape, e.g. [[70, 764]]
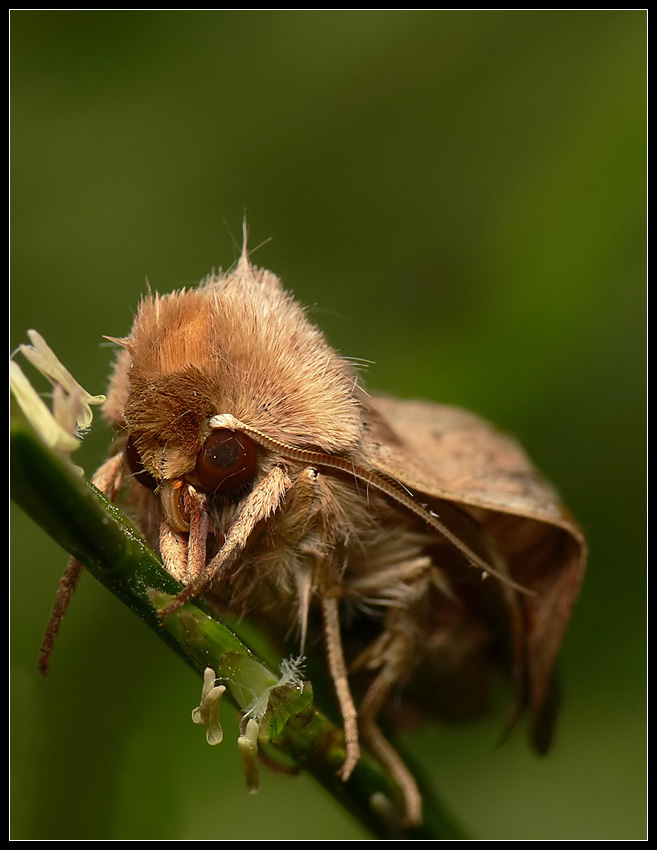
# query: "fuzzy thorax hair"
[[239, 344]]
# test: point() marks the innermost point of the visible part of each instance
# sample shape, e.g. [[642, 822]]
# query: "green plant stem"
[[78, 517]]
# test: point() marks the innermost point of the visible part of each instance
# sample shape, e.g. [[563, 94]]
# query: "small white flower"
[[45, 360], [207, 712], [249, 740], [62, 428], [54, 435], [248, 747]]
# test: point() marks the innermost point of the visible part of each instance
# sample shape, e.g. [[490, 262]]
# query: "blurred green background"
[[461, 197]]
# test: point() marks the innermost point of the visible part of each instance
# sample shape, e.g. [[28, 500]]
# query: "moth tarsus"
[[250, 457]]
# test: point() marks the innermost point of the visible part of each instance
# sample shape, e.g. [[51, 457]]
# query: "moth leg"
[[338, 672], [108, 480], [109, 475], [173, 549], [403, 586], [199, 527], [67, 584], [397, 585], [296, 527], [263, 501], [376, 695]]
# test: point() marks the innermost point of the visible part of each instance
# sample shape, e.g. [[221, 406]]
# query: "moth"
[[413, 540]]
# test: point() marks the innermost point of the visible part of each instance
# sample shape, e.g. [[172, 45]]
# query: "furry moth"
[[270, 482]]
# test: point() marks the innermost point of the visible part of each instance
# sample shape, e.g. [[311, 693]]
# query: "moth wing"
[[444, 453]]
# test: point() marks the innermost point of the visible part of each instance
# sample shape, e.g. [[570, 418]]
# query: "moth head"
[[225, 469], [238, 343]]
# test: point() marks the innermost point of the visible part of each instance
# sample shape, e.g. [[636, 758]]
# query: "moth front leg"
[[264, 500], [108, 480], [173, 549], [184, 553]]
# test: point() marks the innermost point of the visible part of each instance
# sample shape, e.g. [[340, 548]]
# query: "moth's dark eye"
[[136, 466], [226, 462]]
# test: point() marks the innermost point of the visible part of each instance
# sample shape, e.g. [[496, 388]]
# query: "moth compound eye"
[[139, 472], [226, 462]]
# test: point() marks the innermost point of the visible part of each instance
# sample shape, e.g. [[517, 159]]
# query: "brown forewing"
[[448, 454]]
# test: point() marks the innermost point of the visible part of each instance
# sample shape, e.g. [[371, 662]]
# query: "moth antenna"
[[370, 479]]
